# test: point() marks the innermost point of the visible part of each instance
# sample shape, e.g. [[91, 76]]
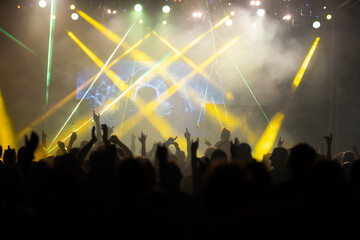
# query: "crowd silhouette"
[[102, 188]]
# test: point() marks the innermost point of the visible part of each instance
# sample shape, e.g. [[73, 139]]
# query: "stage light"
[[253, 24], [114, 12], [109, 11], [316, 24], [328, 17], [228, 22], [74, 16], [287, 17], [42, 3], [252, 3], [268, 138], [138, 7], [260, 12], [232, 13], [166, 9], [141, 21], [300, 74], [257, 3], [164, 22], [197, 14], [72, 7]]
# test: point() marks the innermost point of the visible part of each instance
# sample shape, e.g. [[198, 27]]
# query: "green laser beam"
[[247, 85], [92, 84], [18, 42], [50, 49]]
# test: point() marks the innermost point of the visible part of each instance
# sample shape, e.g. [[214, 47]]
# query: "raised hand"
[[143, 137], [62, 146], [105, 130], [194, 147], [73, 137], [171, 140], [207, 143], [9, 156], [33, 142], [280, 142], [96, 117], [328, 139], [114, 139], [187, 135]]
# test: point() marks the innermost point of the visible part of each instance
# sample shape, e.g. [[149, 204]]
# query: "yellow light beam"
[[73, 93], [165, 128], [97, 77], [191, 44], [7, 137], [305, 64], [138, 55], [150, 107], [159, 123], [268, 138], [191, 63]]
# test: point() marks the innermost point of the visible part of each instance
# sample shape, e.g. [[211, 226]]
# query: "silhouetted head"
[[218, 154], [279, 157], [209, 150], [243, 152], [301, 157], [225, 190], [348, 157], [225, 134]]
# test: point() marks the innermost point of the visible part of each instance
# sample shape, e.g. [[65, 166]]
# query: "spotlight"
[[166, 9], [287, 17], [228, 22], [164, 22], [232, 13], [260, 12], [328, 17], [252, 3], [42, 3], [253, 25], [74, 16], [141, 21], [257, 3], [72, 7], [197, 14], [114, 12], [316, 24], [138, 8], [109, 11]]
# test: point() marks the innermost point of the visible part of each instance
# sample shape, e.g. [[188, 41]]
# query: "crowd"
[[102, 189]]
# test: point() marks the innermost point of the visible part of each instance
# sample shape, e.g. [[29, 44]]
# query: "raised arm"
[[114, 139], [96, 118], [195, 169], [142, 139], [73, 138], [86, 149], [328, 143]]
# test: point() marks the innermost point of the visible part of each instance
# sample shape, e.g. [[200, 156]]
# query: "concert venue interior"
[[263, 69]]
